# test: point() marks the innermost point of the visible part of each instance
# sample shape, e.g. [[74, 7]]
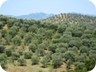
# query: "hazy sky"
[[22, 7]]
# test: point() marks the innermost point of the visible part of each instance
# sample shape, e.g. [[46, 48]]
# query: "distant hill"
[[36, 16], [71, 18]]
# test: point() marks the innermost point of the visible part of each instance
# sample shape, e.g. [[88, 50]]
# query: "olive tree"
[[32, 47], [15, 56], [17, 40], [35, 59], [56, 60], [28, 55], [1, 25], [2, 48], [22, 62], [8, 52]]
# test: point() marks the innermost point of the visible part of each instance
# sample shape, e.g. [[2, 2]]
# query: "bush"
[[15, 55], [75, 42], [86, 42], [13, 31], [3, 32], [65, 38], [61, 50], [2, 48], [1, 25], [8, 52], [69, 63], [52, 48], [28, 55], [62, 28], [32, 47], [27, 39], [35, 59], [10, 22], [21, 33], [33, 28], [90, 63], [44, 61], [3, 61], [84, 49], [56, 60], [68, 55], [70, 71], [77, 33], [73, 49], [3, 65], [3, 58], [22, 62], [16, 40], [40, 52], [20, 51], [80, 67], [8, 39]]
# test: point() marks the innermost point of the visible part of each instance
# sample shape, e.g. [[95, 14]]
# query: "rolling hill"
[[36, 16], [62, 43], [71, 18]]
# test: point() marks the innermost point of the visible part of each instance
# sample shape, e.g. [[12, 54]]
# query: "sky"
[[23, 7]]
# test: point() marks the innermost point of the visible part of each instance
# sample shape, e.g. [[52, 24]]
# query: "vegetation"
[[64, 40]]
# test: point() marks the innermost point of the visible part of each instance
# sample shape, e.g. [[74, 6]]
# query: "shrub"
[[44, 61], [84, 49], [21, 33], [13, 31], [90, 63], [27, 39], [22, 62], [70, 71], [35, 59], [56, 60], [80, 67], [52, 48], [20, 51], [75, 42], [15, 55], [69, 55], [42, 46], [3, 65], [3, 61], [28, 55], [1, 25], [16, 40], [10, 22], [3, 32], [8, 39], [61, 50], [61, 28], [33, 28], [73, 49], [86, 42], [65, 38], [2, 48], [32, 47], [8, 52], [77, 33], [3, 58], [40, 52]]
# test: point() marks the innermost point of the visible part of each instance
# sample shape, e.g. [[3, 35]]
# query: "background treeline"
[[64, 39]]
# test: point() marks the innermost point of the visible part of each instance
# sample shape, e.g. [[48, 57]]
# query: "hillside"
[[36, 16], [62, 43], [71, 19]]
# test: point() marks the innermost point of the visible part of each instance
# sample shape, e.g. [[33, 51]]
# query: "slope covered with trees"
[[63, 43]]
